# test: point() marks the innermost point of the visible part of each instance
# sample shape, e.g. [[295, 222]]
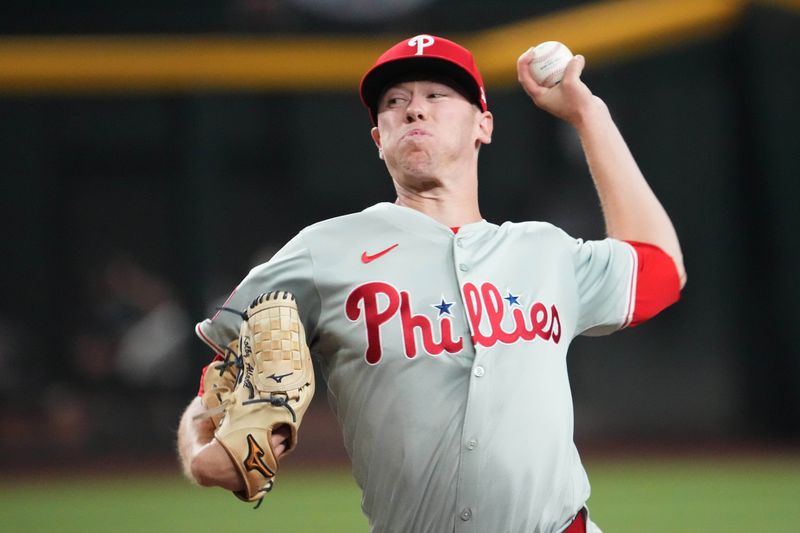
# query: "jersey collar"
[[423, 225]]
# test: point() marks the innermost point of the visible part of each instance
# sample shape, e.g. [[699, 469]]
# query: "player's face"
[[428, 127]]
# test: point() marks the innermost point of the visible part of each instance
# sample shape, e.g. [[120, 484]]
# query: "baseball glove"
[[274, 386], [219, 380]]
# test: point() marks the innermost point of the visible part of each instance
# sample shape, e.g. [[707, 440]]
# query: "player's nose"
[[416, 109]]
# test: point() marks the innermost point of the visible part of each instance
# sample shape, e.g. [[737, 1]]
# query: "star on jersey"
[[512, 300], [444, 307]]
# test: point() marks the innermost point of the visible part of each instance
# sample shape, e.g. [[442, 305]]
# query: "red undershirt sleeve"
[[657, 285], [217, 357]]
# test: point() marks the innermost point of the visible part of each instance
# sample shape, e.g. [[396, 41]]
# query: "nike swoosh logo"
[[366, 258]]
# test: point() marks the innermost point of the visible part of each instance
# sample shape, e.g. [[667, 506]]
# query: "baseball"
[[549, 61]]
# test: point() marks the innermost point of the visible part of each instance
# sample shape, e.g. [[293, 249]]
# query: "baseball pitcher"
[[443, 337]]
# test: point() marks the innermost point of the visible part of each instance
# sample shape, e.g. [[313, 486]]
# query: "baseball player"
[[443, 337]]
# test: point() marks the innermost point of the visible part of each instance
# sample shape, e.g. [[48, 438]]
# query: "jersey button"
[[462, 267], [479, 371], [466, 514], [460, 242], [472, 444]]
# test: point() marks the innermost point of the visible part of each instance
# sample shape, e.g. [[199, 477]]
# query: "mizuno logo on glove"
[[279, 378]]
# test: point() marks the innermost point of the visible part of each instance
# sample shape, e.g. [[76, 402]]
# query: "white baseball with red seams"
[[549, 62]]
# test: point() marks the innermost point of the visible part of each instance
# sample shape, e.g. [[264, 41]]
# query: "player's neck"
[[452, 210]]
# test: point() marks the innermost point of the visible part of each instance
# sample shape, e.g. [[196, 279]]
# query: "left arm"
[[630, 208], [203, 458]]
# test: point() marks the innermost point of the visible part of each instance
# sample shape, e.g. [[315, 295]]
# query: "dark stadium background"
[[124, 206]]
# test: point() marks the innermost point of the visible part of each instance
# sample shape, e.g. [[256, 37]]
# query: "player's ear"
[[376, 138], [485, 127]]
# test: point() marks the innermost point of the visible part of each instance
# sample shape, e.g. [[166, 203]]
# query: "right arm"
[[631, 210]]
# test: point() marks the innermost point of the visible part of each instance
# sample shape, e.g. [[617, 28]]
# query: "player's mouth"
[[415, 133]]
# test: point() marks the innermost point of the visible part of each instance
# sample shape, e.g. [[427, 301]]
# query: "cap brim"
[[376, 80]]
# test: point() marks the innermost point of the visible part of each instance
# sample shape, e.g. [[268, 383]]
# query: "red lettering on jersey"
[[472, 300], [543, 323], [366, 300], [411, 321], [367, 296], [555, 325], [495, 311]]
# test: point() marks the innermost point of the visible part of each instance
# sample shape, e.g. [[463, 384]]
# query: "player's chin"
[[411, 163]]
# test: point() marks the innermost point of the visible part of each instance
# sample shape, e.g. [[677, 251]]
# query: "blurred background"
[[152, 152]]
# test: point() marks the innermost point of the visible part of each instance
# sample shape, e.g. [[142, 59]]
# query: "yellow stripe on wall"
[[603, 31], [180, 63]]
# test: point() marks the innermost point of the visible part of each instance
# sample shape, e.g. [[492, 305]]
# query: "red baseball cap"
[[422, 53]]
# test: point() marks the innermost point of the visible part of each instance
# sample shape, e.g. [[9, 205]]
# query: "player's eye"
[[394, 100]]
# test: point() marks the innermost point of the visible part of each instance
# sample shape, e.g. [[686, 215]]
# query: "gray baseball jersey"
[[445, 356]]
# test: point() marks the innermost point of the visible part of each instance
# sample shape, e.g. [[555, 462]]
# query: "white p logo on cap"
[[421, 42]]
